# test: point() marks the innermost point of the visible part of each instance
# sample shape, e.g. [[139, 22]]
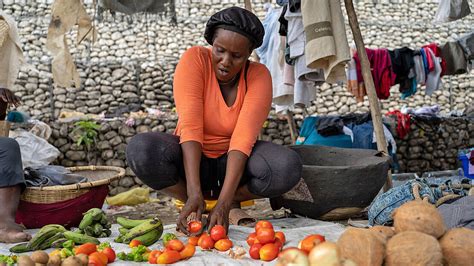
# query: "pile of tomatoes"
[[265, 243], [217, 238]]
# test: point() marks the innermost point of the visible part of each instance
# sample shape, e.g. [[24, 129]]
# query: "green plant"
[[88, 133]]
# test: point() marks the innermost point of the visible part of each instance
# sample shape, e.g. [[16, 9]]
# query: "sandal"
[[238, 216]]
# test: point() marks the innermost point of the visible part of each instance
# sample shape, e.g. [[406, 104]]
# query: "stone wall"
[[134, 62], [430, 146]]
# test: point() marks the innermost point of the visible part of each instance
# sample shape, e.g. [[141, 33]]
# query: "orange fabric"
[[203, 115]]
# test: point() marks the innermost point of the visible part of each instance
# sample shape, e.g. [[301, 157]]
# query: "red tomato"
[[134, 243], [206, 242], [95, 261], [309, 242], [278, 243], [223, 244], [154, 256], [218, 232], [268, 252], [263, 224], [168, 257], [87, 248], [265, 235], [187, 252], [280, 236], [251, 238], [194, 227], [99, 256], [193, 240], [254, 251], [110, 253], [175, 244]]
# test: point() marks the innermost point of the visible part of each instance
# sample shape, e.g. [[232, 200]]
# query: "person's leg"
[[271, 171], [11, 180], [156, 158]]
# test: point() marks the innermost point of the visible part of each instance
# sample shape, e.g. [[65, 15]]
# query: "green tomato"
[[167, 237]]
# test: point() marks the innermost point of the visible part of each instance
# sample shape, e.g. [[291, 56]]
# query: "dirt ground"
[[164, 207]]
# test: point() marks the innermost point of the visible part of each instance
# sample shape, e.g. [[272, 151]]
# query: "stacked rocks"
[[134, 58]]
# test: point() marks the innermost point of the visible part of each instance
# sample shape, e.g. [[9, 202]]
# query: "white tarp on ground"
[[295, 229]]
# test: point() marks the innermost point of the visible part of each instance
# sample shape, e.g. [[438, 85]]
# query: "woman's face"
[[230, 51]]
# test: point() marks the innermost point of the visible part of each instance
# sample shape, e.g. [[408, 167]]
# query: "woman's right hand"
[[195, 203]]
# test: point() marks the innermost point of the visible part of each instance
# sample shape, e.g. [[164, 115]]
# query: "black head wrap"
[[238, 20]]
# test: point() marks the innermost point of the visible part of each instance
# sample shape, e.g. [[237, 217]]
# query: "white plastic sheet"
[[35, 151], [295, 229]]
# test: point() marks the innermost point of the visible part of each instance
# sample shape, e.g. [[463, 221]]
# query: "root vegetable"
[[40, 257], [55, 260], [72, 261], [385, 231], [292, 257], [362, 246], [83, 258], [324, 254], [25, 260], [419, 216], [457, 246], [413, 248]]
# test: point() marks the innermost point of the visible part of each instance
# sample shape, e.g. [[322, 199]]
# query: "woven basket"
[[97, 176]]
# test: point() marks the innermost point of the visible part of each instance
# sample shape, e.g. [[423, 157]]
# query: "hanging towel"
[[11, 55], [419, 68], [453, 54], [433, 80], [326, 41]]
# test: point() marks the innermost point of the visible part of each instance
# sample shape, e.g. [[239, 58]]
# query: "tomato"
[[110, 253], [223, 244], [218, 232], [278, 243], [134, 243], [206, 242], [254, 251], [168, 257], [187, 252], [309, 242], [193, 240], [263, 224], [265, 235], [100, 256], [269, 252], [95, 261], [175, 244], [251, 239], [87, 248], [194, 227], [154, 256], [280, 236]]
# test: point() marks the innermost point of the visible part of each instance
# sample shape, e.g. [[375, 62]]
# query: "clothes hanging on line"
[[11, 54], [451, 10]]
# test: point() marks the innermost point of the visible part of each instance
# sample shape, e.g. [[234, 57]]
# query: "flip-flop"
[[238, 216]]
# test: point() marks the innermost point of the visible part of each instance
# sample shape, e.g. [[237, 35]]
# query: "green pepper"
[[103, 245], [66, 253], [68, 244], [167, 237], [10, 261], [145, 256], [138, 257], [122, 256], [130, 256]]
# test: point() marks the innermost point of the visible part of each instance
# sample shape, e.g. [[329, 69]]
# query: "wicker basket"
[[97, 176]]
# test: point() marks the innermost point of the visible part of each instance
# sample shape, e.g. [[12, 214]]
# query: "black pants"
[[156, 158], [11, 168]]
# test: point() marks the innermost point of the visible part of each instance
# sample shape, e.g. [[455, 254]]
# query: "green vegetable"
[[130, 256], [65, 253], [69, 244], [122, 256], [145, 256], [138, 257], [167, 237], [9, 260], [103, 245]]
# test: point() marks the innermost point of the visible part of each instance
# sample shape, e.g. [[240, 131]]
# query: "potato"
[[458, 247], [40, 257], [419, 216], [362, 246], [413, 248], [83, 258], [54, 260], [72, 261], [385, 231], [25, 260]]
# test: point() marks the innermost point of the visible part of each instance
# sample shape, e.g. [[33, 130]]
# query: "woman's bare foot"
[[11, 232]]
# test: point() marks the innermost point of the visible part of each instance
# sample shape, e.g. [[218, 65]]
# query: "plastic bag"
[[35, 151], [451, 10], [131, 197]]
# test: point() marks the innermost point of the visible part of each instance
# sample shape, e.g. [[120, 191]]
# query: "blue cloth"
[[425, 62], [282, 2], [268, 50], [310, 136], [411, 91]]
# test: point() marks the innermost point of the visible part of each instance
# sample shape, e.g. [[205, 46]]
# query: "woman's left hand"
[[220, 215]]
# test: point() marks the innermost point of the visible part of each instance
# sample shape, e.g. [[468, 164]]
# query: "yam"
[[385, 231], [458, 247], [413, 248], [419, 216], [361, 246]]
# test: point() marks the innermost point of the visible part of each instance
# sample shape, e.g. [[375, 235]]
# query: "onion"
[[324, 254]]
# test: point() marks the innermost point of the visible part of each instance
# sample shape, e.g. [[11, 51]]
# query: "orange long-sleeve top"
[[204, 116]]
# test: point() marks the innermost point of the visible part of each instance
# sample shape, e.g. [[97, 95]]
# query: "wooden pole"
[[248, 5], [369, 84]]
